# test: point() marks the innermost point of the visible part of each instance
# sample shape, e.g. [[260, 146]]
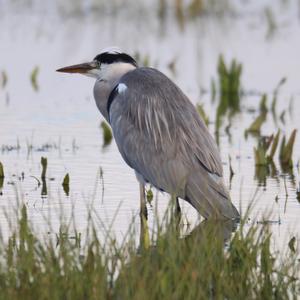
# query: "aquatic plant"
[[275, 96], [255, 126], [260, 154], [213, 90], [229, 78], [230, 82], [282, 116], [1, 170], [271, 22], [286, 149], [107, 134], [274, 146], [66, 184], [231, 172], [262, 158], [165, 266], [263, 104], [265, 151], [33, 78], [44, 164], [149, 195]]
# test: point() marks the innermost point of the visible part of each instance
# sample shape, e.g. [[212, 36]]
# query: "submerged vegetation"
[[229, 79], [107, 134], [44, 163], [286, 149], [33, 78], [261, 118], [264, 144], [285, 153], [1, 170], [196, 266], [66, 184]]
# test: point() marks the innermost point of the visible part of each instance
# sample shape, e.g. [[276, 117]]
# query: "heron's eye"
[[98, 64]]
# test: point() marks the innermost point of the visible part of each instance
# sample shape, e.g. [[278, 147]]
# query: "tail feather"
[[210, 197]]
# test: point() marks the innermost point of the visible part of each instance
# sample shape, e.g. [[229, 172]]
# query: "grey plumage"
[[162, 137], [159, 133]]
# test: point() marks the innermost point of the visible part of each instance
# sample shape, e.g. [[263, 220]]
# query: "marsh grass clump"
[[44, 163], [266, 149], [286, 150], [263, 104], [275, 97], [229, 78], [33, 78], [230, 82], [31, 268], [255, 126], [212, 262], [107, 134], [1, 170], [66, 184], [263, 156]]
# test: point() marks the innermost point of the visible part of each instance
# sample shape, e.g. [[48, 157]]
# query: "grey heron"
[[159, 133]]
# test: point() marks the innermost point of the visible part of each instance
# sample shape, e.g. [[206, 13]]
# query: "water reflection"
[[222, 230]]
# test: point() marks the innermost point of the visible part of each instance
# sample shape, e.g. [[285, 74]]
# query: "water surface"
[[60, 120]]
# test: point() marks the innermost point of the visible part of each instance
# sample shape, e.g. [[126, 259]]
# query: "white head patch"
[[122, 87]]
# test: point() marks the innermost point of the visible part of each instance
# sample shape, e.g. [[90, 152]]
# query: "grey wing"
[[161, 136]]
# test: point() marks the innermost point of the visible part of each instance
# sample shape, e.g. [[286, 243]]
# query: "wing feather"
[[160, 134]]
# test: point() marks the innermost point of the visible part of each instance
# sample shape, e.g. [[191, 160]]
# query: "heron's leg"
[[144, 234], [143, 211]]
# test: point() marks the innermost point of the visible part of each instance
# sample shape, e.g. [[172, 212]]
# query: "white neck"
[[114, 71], [107, 78]]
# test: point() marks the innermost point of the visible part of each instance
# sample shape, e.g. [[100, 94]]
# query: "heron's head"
[[104, 65]]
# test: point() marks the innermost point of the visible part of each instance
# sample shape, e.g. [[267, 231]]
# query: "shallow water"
[[60, 120]]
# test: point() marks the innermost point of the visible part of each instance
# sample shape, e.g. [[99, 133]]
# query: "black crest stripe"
[[109, 58], [111, 98]]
